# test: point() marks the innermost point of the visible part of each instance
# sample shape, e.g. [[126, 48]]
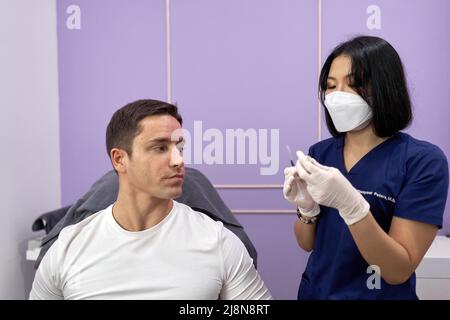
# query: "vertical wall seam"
[[168, 54], [58, 104], [319, 65]]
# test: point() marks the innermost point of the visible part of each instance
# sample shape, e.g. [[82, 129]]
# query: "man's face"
[[156, 166]]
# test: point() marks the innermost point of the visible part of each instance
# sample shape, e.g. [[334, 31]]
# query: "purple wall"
[[117, 56], [236, 64]]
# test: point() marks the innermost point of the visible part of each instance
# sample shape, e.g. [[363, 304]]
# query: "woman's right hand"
[[294, 191]]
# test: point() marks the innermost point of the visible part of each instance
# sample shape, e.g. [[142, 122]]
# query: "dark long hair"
[[379, 78]]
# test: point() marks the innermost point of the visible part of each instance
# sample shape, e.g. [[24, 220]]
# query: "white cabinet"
[[34, 247], [433, 273]]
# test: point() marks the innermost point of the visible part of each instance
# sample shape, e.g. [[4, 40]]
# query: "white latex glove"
[[294, 191], [328, 187]]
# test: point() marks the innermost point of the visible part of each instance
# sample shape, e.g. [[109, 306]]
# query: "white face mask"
[[348, 111]]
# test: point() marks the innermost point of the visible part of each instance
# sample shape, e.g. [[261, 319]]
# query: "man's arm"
[[241, 280], [45, 284]]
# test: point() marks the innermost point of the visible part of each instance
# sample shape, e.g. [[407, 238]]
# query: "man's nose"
[[176, 158]]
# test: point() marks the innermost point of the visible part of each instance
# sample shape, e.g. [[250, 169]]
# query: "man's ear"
[[119, 159]]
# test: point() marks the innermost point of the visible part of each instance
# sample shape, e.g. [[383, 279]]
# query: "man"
[[146, 245]]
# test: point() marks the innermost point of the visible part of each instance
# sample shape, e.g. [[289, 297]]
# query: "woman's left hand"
[[328, 187]]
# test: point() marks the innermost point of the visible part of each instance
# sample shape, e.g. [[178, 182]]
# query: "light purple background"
[[236, 64]]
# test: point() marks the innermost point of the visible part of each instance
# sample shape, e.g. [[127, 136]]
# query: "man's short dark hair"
[[378, 77], [124, 124]]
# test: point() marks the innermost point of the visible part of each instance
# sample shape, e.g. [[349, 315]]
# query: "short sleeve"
[[311, 152], [424, 192], [45, 284], [241, 281]]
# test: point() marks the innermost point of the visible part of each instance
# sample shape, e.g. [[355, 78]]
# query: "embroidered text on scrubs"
[[376, 194]]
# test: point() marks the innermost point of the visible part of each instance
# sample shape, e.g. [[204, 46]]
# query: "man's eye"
[[160, 148]]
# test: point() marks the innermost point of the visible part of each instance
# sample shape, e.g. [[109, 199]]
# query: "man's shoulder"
[[70, 233], [192, 214], [206, 230], [197, 219]]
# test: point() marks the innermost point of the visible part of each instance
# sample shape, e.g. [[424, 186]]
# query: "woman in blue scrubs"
[[371, 198]]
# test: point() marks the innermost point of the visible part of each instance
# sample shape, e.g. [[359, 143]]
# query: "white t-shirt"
[[185, 256]]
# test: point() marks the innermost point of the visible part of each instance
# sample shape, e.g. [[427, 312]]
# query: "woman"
[[371, 198]]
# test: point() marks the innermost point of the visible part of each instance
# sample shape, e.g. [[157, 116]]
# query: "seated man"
[[197, 193], [146, 245]]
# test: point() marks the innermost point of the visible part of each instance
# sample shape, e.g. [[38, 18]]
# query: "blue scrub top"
[[402, 177]]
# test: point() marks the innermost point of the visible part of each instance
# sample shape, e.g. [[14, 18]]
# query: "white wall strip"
[[238, 211], [248, 186], [168, 54], [319, 66]]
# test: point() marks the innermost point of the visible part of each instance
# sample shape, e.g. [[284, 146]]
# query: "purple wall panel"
[[246, 64], [117, 56], [251, 64], [419, 30]]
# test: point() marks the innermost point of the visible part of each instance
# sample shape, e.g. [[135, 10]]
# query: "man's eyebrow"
[[159, 140], [165, 140]]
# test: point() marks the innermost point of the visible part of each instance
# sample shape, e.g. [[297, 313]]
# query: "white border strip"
[[238, 211], [248, 186], [168, 54], [319, 66]]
